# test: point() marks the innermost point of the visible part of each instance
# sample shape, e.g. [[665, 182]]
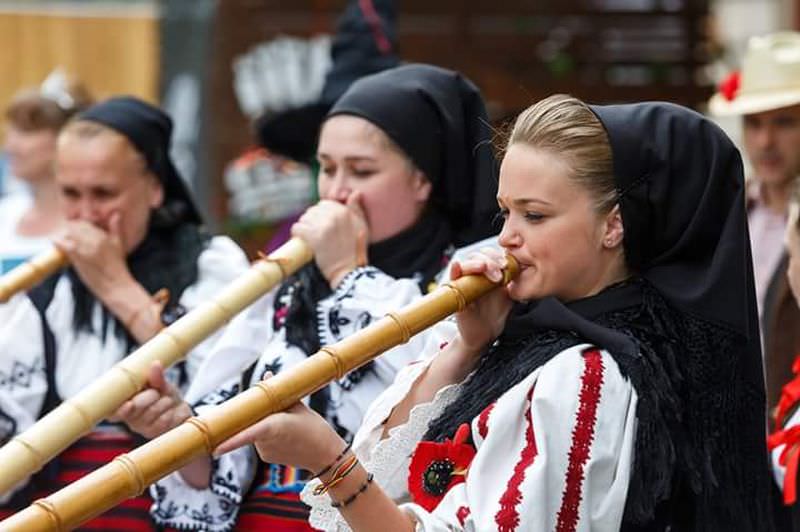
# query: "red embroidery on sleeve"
[[462, 513], [507, 518], [582, 438], [483, 421]]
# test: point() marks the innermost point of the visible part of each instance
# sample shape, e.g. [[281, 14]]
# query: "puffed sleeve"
[[23, 383], [218, 265], [553, 453]]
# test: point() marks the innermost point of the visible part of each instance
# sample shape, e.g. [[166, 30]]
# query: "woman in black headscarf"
[[406, 176], [615, 384], [132, 231]]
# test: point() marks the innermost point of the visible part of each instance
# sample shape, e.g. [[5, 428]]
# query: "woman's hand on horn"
[[483, 320], [98, 256], [156, 409], [338, 235], [297, 437]]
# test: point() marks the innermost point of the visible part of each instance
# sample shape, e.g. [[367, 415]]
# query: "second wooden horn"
[[128, 475], [29, 451], [30, 273]]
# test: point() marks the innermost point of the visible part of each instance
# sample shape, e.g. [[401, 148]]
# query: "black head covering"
[[683, 209], [365, 43], [149, 129], [422, 107], [683, 329]]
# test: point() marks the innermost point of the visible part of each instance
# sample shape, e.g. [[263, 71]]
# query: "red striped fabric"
[[582, 438]]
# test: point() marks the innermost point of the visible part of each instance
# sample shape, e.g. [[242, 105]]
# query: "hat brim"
[[745, 104]]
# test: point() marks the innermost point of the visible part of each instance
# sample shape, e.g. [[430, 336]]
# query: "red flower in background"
[[729, 86], [437, 467]]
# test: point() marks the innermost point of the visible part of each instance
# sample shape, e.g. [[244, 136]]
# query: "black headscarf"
[[167, 257], [149, 129], [438, 119], [365, 43], [683, 329]]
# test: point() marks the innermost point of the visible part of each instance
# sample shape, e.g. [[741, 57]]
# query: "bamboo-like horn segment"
[[30, 273], [128, 475], [29, 451]]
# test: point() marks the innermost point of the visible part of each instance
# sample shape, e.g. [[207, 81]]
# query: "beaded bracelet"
[[341, 472], [352, 497], [332, 464]]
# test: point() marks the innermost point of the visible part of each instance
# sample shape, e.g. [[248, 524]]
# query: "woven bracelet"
[[332, 464], [352, 497]]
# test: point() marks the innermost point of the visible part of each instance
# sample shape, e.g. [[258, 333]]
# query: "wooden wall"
[[113, 49]]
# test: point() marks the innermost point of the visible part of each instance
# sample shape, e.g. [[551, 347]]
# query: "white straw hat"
[[770, 77]]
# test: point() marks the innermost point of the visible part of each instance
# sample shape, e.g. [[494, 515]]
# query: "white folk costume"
[[59, 338], [639, 408], [418, 106]]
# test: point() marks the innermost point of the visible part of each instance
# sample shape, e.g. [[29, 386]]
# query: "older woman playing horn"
[[131, 230]]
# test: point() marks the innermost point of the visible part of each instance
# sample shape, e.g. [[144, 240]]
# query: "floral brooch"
[[438, 466]]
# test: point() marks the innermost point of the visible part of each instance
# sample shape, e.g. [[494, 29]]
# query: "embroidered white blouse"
[[554, 452], [83, 357]]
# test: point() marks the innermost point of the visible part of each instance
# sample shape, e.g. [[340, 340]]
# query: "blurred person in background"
[[766, 94], [785, 440], [33, 121]]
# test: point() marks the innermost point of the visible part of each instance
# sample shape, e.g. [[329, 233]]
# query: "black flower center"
[[437, 476]]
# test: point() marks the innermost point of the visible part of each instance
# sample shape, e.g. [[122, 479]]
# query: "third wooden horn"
[[130, 474], [29, 451]]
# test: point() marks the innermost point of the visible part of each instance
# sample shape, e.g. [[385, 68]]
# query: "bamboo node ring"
[[88, 423], [48, 508], [200, 425], [37, 456], [133, 472], [461, 301], [175, 339], [405, 330], [337, 361], [131, 376]]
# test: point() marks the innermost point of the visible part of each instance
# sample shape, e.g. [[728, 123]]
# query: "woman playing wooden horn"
[[615, 384], [132, 230], [406, 175]]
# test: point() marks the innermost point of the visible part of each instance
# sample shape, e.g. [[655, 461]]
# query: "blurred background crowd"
[[220, 67]]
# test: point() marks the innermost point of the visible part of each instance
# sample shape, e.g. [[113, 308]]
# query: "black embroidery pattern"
[[273, 367], [8, 428], [222, 516], [21, 375]]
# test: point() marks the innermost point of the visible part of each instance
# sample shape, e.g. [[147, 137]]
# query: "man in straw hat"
[[766, 94]]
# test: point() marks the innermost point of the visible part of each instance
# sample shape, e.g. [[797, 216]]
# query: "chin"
[[522, 291]]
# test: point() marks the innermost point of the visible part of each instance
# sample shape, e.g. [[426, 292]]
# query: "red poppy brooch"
[[438, 466], [729, 86]]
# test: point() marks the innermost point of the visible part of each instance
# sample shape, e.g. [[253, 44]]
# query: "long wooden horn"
[[29, 451], [30, 273], [129, 474]]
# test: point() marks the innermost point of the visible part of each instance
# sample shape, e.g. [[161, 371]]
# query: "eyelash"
[[532, 217]]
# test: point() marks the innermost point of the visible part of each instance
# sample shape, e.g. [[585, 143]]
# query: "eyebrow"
[[519, 202], [349, 158]]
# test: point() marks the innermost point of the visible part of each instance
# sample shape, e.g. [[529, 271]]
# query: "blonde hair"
[[565, 126]]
